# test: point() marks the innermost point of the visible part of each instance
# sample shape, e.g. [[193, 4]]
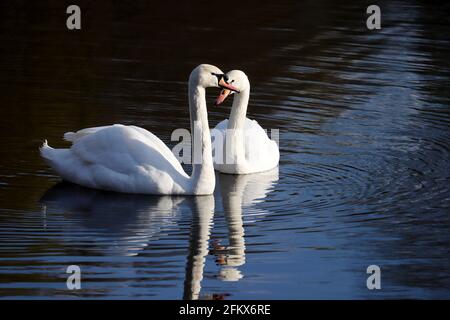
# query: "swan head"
[[237, 79], [208, 76]]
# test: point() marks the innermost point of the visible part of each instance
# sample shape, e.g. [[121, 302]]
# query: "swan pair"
[[130, 159]]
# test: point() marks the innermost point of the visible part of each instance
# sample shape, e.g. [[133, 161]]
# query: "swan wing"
[[255, 137], [256, 141], [261, 153], [120, 158], [74, 136]]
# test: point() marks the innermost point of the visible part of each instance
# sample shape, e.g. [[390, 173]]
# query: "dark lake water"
[[364, 175]]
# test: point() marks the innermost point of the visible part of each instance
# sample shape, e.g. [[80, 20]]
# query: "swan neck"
[[235, 131], [239, 110], [202, 177]]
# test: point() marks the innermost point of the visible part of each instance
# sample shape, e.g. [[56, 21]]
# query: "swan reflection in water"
[[235, 192], [238, 192], [117, 224], [124, 225]]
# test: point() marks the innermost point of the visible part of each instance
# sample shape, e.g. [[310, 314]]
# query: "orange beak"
[[224, 93], [224, 85]]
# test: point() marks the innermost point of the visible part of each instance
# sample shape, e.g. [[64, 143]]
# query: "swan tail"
[[58, 159], [50, 154], [45, 150]]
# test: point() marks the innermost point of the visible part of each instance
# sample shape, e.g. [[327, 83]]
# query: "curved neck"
[[235, 152], [239, 110], [202, 177]]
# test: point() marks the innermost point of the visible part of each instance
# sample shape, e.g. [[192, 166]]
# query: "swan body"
[[130, 159], [241, 145], [259, 152]]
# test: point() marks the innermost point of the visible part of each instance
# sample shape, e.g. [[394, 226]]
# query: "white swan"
[[241, 146], [133, 160]]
